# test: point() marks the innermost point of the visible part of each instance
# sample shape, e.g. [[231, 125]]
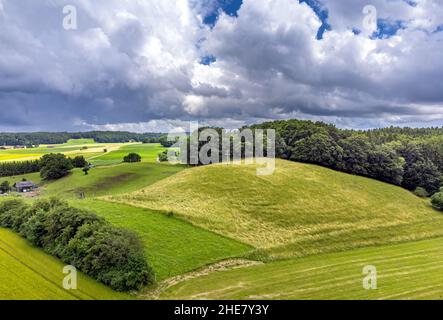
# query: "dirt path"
[[154, 293]]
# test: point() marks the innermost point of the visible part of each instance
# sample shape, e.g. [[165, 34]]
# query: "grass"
[[299, 210], [172, 246], [405, 271], [108, 180], [34, 177], [148, 152], [80, 141], [27, 273]]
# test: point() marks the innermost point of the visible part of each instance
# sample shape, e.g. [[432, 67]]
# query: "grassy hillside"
[[172, 246], [28, 273], [34, 177], [406, 271], [110, 179], [299, 210]]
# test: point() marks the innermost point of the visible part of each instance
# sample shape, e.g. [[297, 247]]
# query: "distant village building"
[[24, 186]]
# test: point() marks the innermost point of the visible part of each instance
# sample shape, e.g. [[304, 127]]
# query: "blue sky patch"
[[230, 7], [387, 28], [322, 13], [208, 60]]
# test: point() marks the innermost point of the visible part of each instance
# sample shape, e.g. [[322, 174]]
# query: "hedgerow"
[[80, 238]]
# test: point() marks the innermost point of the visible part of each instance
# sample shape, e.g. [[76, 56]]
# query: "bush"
[[5, 187], [437, 201], [421, 192], [132, 157], [79, 162], [111, 255], [163, 157], [55, 166]]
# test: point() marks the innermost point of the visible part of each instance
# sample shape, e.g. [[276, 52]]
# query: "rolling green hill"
[[27, 273], [299, 210], [105, 180], [406, 271]]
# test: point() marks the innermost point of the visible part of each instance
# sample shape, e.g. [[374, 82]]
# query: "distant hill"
[[300, 210]]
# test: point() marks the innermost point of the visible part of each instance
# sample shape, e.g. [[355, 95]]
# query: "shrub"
[[421, 192], [132, 157], [5, 187], [111, 255], [55, 166], [437, 200], [163, 157], [79, 162]]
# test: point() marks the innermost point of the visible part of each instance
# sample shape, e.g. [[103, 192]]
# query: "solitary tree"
[[86, 170], [132, 157], [79, 162]]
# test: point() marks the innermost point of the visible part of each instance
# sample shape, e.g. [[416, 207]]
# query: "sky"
[[149, 65]]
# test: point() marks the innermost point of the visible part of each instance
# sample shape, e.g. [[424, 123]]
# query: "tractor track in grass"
[[231, 264]]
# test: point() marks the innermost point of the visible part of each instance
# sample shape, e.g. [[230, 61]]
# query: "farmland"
[[105, 180], [406, 271], [273, 236], [173, 246], [96, 153], [28, 273]]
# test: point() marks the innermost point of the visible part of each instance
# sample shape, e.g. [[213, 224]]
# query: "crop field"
[[28, 273], [75, 147], [406, 271], [299, 210], [173, 246]]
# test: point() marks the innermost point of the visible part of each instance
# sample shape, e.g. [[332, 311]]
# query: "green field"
[[407, 271], [172, 246], [105, 180], [299, 210], [80, 141], [28, 273], [148, 152], [74, 147], [313, 228]]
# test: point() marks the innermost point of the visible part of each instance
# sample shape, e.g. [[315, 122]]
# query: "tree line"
[[411, 158], [16, 168], [80, 238], [37, 138]]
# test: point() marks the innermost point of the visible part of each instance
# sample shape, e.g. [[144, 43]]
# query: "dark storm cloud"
[[131, 62]]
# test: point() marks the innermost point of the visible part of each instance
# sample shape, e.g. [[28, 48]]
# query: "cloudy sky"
[[149, 65]]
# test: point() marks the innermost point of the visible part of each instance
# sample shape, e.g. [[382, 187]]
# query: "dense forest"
[[408, 157], [37, 138]]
